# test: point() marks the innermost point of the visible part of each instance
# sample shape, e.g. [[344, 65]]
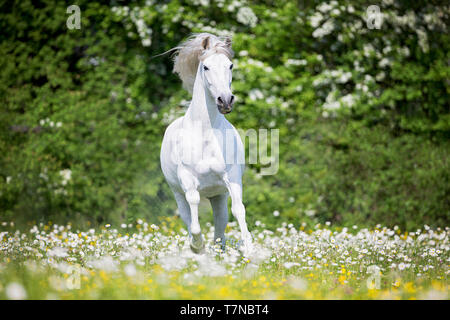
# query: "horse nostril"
[[231, 99], [220, 100]]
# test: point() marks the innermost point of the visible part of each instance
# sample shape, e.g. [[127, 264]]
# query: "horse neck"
[[203, 108]]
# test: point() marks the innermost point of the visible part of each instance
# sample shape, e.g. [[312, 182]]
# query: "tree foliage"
[[363, 113]]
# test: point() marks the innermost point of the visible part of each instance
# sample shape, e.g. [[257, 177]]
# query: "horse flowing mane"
[[196, 48]]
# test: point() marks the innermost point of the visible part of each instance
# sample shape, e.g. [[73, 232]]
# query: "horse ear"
[[205, 43], [228, 42]]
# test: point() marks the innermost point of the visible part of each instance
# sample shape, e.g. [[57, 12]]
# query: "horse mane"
[[190, 52]]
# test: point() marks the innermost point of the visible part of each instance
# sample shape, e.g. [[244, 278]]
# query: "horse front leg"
[[238, 210], [189, 184], [183, 209], [193, 198]]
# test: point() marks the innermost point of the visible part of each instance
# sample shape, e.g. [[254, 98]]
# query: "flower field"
[[143, 261]]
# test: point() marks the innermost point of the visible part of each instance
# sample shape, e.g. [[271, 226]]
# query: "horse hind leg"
[[220, 211]]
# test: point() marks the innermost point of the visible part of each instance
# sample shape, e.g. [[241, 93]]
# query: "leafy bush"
[[363, 113]]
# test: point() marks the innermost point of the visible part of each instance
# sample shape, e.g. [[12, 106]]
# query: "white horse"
[[194, 158]]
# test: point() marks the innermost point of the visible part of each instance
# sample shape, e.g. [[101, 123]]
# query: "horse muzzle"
[[225, 104], [224, 109]]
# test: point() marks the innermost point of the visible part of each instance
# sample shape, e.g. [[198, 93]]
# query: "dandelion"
[[342, 279], [397, 283]]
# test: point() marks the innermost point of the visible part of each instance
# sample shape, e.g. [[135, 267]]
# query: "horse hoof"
[[247, 247], [247, 250], [197, 245], [197, 250]]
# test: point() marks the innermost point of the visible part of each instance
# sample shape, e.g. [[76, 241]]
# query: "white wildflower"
[[15, 291], [246, 16]]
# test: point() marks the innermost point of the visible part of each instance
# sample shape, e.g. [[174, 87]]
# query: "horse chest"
[[204, 156]]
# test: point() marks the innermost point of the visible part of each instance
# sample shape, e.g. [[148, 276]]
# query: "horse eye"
[[231, 67], [205, 68]]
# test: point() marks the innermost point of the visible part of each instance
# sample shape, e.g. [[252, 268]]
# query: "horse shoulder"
[[168, 156]]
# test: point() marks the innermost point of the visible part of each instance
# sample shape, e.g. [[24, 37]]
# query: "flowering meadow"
[[360, 100], [148, 261]]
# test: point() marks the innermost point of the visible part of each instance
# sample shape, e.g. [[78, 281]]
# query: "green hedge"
[[363, 113]]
